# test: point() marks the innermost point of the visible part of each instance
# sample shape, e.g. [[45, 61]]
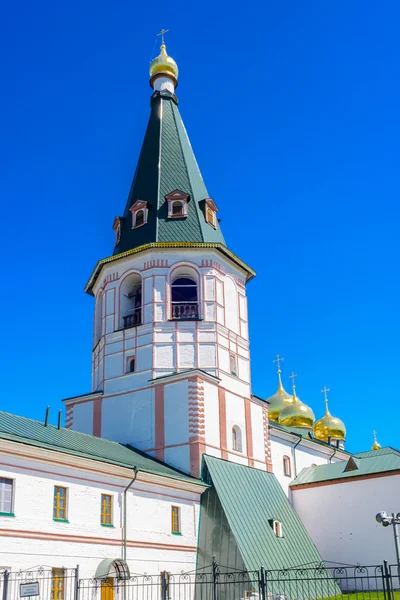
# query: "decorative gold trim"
[[220, 247]]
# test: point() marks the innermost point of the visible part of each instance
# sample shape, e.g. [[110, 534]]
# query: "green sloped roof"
[[251, 499], [166, 163], [34, 433], [369, 463]]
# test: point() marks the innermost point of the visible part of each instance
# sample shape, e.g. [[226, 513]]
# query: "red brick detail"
[[196, 453], [249, 431], [222, 423], [97, 409]]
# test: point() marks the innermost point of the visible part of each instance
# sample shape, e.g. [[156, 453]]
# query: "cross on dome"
[[278, 360], [162, 33]]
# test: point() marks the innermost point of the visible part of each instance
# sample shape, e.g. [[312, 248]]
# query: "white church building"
[[171, 429]]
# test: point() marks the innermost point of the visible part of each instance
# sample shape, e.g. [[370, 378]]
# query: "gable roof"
[[166, 164], [367, 463], [251, 499], [35, 433]]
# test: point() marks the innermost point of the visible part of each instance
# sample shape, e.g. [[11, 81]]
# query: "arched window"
[[98, 318], [132, 365], [277, 525], [184, 297], [313, 465], [139, 218], [177, 209], [287, 469], [237, 439], [131, 301]]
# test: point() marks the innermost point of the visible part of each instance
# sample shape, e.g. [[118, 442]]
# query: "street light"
[[385, 520]]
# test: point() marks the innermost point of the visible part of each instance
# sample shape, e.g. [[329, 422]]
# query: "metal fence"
[[214, 583]]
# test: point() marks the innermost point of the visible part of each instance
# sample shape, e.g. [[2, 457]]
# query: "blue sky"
[[292, 110]]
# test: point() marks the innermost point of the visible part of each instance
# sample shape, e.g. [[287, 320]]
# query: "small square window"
[[175, 519]]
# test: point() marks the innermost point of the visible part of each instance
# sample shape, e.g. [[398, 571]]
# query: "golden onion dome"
[[164, 65], [297, 414], [376, 445], [329, 427], [278, 401]]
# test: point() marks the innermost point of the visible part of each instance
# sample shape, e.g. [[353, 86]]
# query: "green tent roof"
[[167, 163], [35, 433], [251, 499], [366, 463]]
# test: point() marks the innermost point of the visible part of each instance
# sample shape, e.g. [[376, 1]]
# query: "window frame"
[[210, 208], [56, 508], [287, 466], [183, 199], [138, 206], [103, 510], [277, 528], [57, 575], [237, 439], [130, 360], [6, 513], [176, 520], [233, 362]]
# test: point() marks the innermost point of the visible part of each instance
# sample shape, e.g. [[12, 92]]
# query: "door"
[[107, 589]]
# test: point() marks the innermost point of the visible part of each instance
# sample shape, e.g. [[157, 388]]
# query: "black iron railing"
[[379, 582], [133, 319], [184, 310]]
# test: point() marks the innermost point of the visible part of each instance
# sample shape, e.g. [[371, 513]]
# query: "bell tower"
[[170, 360]]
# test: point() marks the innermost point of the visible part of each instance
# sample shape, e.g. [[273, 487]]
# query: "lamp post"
[[385, 520]]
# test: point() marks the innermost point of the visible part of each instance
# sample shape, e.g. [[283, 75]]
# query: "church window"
[[175, 519], [236, 439], [211, 212], [233, 363], [106, 509], [60, 503], [6, 496], [184, 298], [139, 220], [57, 584], [131, 301], [287, 469], [277, 525], [210, 217], [177, 204], [131, 365]]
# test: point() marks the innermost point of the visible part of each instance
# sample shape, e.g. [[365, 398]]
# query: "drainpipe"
[[294, 453], [135, 472], [332, 455]]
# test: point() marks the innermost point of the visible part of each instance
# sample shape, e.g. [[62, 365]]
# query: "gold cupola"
[[329, 427], [163, 65], [281, 398], [376, 445], [297, 414]]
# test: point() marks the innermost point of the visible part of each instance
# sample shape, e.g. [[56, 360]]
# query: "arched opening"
[[237, 439], [287, 468], [132, 365], [139, 220], [113, 568], [184, 295], [177, 209], [98, 318], [131, 301]]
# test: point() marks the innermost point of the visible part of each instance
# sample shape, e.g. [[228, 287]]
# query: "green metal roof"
[[167, 163], [368, 463], [251, 500], [35, 433]]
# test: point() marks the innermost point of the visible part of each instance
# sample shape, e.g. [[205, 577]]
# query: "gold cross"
[[278, 360], [325, 392], [374, 434], [292, 376], [162, 32]]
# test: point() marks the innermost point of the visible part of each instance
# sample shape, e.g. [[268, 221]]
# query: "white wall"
[[341, 519], [33, 538]]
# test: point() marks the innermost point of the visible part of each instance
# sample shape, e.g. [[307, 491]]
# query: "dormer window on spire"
[[210, 212], [117, 225], [177, 204], [139, 211]]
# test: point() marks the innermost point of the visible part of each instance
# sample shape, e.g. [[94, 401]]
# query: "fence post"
[[164, 585], [263, 584], [215, 577], [387, 581], [5, 584], [76, 583]]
